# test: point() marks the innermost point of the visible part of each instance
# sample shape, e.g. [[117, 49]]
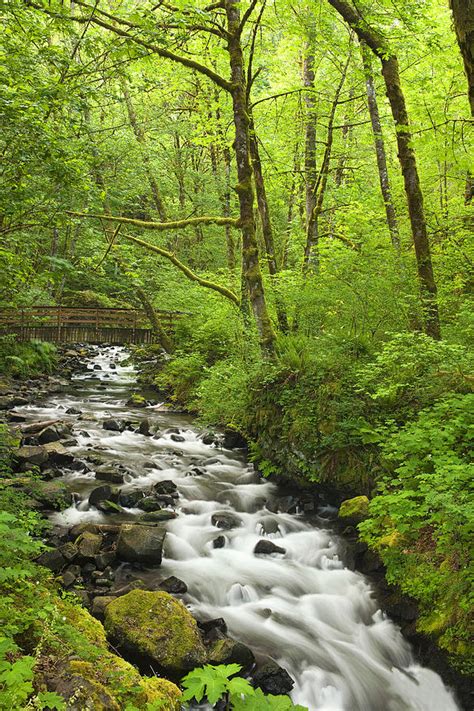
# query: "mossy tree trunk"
[[406, 156], [380, 153], [463, 16], [250, 257]]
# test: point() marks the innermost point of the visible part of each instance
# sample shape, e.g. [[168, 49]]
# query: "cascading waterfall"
[[302, 607]]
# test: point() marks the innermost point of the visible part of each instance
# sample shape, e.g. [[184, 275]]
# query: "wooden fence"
[[62, 324]]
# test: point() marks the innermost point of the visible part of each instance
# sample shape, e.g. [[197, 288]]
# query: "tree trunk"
[[390, 213], [406, 156], [250, 261], [141, 139], [463, 16], [267, 229], [310, 171], [152, 316]]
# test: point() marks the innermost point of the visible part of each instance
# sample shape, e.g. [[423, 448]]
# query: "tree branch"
[[182, 267], [160, 51], [162, 226]]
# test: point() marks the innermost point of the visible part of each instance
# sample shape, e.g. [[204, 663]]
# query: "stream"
[[302, 607]]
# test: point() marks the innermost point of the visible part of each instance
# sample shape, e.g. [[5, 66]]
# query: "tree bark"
[[380, 153], [463, 16], [310, 171], [406, 156], [155, 323], [244, 188], [141, 139]]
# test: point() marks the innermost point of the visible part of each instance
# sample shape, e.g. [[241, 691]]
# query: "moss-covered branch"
[[162, 226], [182, 267]]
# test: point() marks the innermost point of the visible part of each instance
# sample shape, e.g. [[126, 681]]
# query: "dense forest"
[[294, 183]]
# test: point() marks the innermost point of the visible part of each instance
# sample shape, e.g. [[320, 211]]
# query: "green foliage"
[[422, 519], [220, 682], [22, 360]]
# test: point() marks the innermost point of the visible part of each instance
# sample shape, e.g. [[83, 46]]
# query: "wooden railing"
[[75, 324]]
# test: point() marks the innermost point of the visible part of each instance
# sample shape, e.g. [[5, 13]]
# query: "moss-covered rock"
[[155, 625], [136, 400], [91, 676], [354, 510]]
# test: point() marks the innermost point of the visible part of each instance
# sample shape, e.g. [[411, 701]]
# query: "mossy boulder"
[[136, 400], [91, 676], [140, 544], [155, 625], [354, 510]]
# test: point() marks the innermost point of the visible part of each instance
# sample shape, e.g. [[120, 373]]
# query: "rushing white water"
[[303, 608]]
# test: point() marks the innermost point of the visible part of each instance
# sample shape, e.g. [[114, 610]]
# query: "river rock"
[[267, 547], [219, 542], [113, 425], [88, 545], [225, 520], [208, 438], [104, 560], [69, 550], [30, 455], [144, 428], [228, 651], [111, 475], [99, 494], [130, 499], [156, 626], [149, 503], [53, 560], [109, 507], [177, 438], [136, 401], [167, 487], [49, 434], [174, 586], [355, 510], [58, 454], [233, 440], [273, 679], [158, 516], [73, 411], [140, 544]]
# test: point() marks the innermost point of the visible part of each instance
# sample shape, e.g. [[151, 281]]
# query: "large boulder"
[[156, 626], [29, 456], [58, 454], [140, 544], [49, 434], [228, 651], [99, 494], [225, 520]]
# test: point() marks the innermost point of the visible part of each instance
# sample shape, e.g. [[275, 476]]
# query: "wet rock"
[[273, 679], [49, 434], [177, 438], [158, 516], [99, 604], [99, 494], [89, 545], [267, 547], [130, 499], [7, 402], [111, 475], [156, 626], [228, 651], [165, 500], [109, 507], [225, 520], [167, 487], [136, 401], [208, 438], [29, 456], [73, 411], [369, 562], [79, 466], [69, 551], [96, 366], [71, 575], [149, 503], [195, 471], [174, 586], [140, 544], [269, 525], [144, 428], [233, 440], [58, 454], [113, 425], [53, 560], [103, 560], [213, 629], [218, 542]]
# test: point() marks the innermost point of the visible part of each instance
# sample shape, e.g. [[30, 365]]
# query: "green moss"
[[356, 509], [158, 626]]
